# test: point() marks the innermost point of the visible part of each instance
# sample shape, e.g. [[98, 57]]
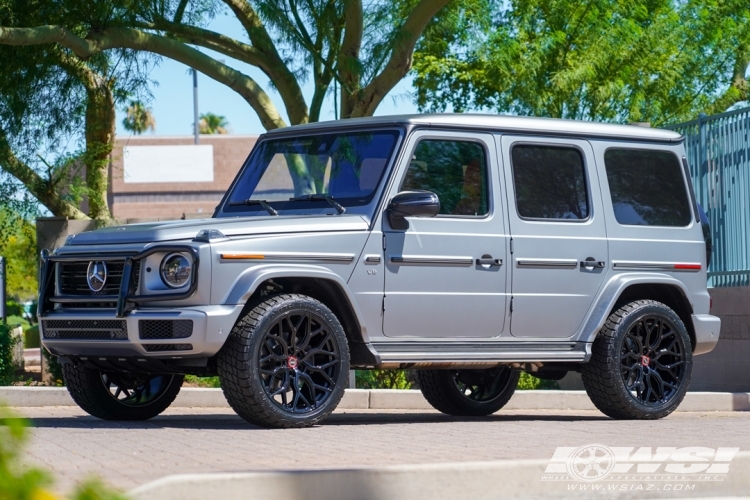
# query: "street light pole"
[[196, 128]]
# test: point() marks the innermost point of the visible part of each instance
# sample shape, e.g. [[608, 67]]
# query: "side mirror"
[[412, 204]]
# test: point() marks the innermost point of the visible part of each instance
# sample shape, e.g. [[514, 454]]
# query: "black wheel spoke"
[[299, 362], [272, 356], [295, 330], [134, 389], [638, 382], [284, 385], [652, 360]]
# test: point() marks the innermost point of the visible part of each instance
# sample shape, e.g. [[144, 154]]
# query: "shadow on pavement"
[[230, 422]]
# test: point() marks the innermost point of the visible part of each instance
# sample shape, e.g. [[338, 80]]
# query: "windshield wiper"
[[320, 197], [268, 208]]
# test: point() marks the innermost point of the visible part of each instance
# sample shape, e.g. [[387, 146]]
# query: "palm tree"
[[139, 118], [213, 124]]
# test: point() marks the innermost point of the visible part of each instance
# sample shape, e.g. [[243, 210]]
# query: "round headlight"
[[175, 270]]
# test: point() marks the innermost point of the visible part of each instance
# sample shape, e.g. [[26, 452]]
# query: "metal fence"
[[718, 151]]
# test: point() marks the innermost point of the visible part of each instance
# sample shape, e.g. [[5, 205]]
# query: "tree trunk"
[[100, 134], [44, 190]]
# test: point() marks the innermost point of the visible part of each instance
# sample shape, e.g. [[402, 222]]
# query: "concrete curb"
[[384, 399], [508, 479]]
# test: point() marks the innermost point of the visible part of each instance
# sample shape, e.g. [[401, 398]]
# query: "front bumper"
[[211, 326], [707, 329]]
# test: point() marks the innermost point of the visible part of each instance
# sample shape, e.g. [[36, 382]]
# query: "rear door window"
[[550, 182], [647, 187]]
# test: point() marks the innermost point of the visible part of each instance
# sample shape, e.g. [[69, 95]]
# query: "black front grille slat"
[[85, 329], [167, 347], [154, 329], [72, 276]]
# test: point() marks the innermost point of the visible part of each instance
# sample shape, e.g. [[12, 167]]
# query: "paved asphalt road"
[[185, 440]]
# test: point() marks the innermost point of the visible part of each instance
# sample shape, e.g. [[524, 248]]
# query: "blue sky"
[[172, 103]]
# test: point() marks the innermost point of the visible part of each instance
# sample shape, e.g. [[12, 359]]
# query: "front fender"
[[248, 282], [611, 292]]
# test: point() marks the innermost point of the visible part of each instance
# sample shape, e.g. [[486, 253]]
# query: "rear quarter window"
[[647, 187]]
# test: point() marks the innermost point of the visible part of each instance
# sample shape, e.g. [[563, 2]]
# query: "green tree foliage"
[[211, 382], [57, 113], [21, 482], [382, 379], [211, 123], [656, 61], [7, 346], [365, 48], [528, 382], [54, 367], [18, 484], [138, 118], [18, 246]]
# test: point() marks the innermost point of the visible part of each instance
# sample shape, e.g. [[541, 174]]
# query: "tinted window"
[[454, 170], [647, 187], [550, 182]]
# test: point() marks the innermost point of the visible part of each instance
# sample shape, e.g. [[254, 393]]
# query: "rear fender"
[[611, 293]]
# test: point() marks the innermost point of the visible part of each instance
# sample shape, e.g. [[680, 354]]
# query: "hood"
[[237, 226]]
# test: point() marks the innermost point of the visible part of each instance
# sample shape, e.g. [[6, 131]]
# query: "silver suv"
[[467, 247]]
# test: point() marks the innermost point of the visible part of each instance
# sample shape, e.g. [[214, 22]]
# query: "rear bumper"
[[707, 329], [211, 326]]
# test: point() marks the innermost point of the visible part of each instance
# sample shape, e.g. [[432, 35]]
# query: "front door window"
[[454, 170]]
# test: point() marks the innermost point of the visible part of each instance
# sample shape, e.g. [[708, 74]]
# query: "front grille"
[[72, 276], [165, 328], [167, 347], [85, 329]]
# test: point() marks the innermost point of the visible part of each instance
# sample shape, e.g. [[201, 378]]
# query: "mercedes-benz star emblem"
[[96, 275]]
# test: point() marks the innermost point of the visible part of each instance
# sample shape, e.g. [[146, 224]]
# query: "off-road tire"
[[603, 377], [238, 363], [441, 391], [87, 389]]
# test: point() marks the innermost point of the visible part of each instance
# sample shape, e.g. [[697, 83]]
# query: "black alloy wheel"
[[641, 362], [136, 389], [468, 392], [483, 386], [286, 363], [121, 396], [299, 362], [653, 360]]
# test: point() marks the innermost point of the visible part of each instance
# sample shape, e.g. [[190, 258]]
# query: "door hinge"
[[383, 241], [511, 304], [383, 303], [511, 245]]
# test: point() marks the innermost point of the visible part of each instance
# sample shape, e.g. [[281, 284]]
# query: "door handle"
[[487, 261], [592, 262]]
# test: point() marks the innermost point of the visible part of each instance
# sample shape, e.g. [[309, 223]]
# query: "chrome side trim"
[[691, 267], [291, 257], [372, 259], [416, 260], [547, 263], [482, 351]]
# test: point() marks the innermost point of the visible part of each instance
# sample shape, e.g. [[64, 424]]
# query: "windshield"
[[284, 173]]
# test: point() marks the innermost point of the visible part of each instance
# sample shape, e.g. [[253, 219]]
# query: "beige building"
[[169, 177]]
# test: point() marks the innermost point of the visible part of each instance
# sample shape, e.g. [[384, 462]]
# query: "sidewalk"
[[385, 399]]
